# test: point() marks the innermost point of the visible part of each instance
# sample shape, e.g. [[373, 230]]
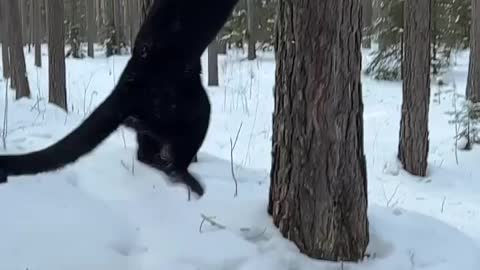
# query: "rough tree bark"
[[91, 28], [414, 144], [37, 28], [57, 91], [473, 80], [19, 70], [318, 192]]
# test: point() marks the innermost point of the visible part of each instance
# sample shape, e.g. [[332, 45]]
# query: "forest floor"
[[108, 211]]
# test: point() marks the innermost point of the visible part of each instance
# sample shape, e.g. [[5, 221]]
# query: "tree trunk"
[[413, 145], [126, 21], [37, 28], [4, 39], [23, 11], [473, 78], [44, 19], [91, 28], [144, 7], [213, 63], [118, 25], [99, 9], [56, 48], [381, 10], [367, 12], [134, 21], [318, 192], [251, 37], [19, 70]]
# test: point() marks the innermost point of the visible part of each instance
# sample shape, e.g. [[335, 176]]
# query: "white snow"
[[108, 211]]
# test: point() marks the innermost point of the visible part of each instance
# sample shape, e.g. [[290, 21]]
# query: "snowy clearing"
[[107, 211]]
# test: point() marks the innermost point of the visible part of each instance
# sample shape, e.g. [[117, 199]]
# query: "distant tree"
[[318, 191], [251, 30], [367, 11], [213, 63], [261, 21], [144, 7], [37, 31], [57, 92], [388, 28], [449, 32], [134, 20], [74, 28], [91, 27], [118, 24], [19, 70], [414, 144], [4, 39]]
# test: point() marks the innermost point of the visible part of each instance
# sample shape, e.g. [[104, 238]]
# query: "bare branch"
[[232, 148], [211, 222]]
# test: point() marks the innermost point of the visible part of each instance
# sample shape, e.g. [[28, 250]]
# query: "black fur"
[[160, 88]]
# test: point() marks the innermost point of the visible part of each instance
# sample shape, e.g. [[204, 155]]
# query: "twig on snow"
[[232, 148], [211, 222]]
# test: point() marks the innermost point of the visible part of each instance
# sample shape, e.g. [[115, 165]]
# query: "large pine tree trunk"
[[473, 80], [56, 59], [19, 70], [318, 192], [413, 145]]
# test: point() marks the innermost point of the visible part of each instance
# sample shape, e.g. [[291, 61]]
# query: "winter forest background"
[[344, 135]]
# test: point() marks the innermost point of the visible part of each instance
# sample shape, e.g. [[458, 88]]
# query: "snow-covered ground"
[[108, 211]]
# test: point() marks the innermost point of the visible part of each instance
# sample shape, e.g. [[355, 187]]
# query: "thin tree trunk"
[[318, 192], [44, 19], [91, 28], [144, 7], [251, 33], [126, 21], [37, 28], [99, 8], [473, 78], [134, 21], [118, 25], [213, 63], [24, 20], [6, 70], [19, 70], [414, 144], [57, 92]]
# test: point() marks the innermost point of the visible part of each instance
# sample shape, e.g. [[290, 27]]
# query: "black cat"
[[160, 88]]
